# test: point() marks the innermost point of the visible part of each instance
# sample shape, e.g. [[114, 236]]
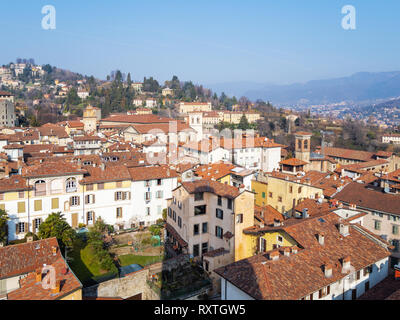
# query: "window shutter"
[[129, 195], [87, 218], [79, 200], [26, 227], [258, 244], [17, 228], [123, 195], [115, 196], [86, 199], [93, 198], [94, 217], [70, 201]]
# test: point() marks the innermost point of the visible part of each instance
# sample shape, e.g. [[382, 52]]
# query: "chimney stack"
[[54, 250], [295, 249], [56, 289], [286, 252], [274, 255], [29, 239], [344, 229], [328, 270], [346, 264], [38, 275], [321, 238]]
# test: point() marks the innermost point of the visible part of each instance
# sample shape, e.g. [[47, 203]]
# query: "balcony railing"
[[71, 189]]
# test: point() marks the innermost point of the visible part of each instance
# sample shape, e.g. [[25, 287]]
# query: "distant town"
[[131, 189]]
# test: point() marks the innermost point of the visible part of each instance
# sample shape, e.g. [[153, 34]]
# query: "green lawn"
[[128, 259], [85, 265]]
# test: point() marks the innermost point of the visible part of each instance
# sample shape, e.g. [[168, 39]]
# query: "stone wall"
[[124, 288]]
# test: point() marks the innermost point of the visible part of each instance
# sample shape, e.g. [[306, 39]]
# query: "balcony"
[[71, 189]]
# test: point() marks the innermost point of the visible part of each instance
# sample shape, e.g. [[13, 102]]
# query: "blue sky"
[[205, 41]]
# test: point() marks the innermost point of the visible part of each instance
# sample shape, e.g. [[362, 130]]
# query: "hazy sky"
[[205, 41]]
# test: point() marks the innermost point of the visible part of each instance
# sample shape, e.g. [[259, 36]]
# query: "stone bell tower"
[[303, 146]]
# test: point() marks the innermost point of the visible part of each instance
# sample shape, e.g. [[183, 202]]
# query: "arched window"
[[70, 185], [40, 188]]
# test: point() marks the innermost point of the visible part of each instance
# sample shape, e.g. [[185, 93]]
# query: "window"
[[90, 198], [198, 196], [279, 199], [119, 213], [204, 227], [395, 229], [263, 195], [358, 275], [40, 188], [169, 212], [89, 187], [270, 194], [196, 250], [196, 230], [219, 232], [100, 186], [21, 227], [21, 194], [377, 225], [290, 189], [229, 203], [367, 270], [148, 213], [38, 205], [219, 214], [179, 222], [323, 292], [280, 239], [74, 201], [36, 224], [21, 207], [118, 195], [159, 182], [239, 218], [204, 247], [147, 183], [199, 210], [147, 196], [173, 215], [70, 185], [299, 190], [89, 217], [263, 245], [159, 195], [54, 203], [219, 200]]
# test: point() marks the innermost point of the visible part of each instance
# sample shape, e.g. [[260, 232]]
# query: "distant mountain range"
[[359, 88]]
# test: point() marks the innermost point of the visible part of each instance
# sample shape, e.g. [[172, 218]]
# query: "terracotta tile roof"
[[293, 162], [300, 274], [26, 258], [86, 138], [151, 173], [176, 235], [363, 197], [313, 206], [384, 154], [249, 142], [50, 129], [137, 118], [56, 168], [164, 127], [348, 154], [303, 133], [108, 174], [392, 176], [75, 124], [214, 171], [13, 183], [267, 215], [216, 253], [362, 166], [210, 186]]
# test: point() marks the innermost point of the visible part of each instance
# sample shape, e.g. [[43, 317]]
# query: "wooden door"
[[74, 217]]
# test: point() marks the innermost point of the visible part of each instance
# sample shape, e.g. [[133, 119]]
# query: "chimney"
[[344, 229], [286, 252], [102, 166], [328, 270], [29, 239], [321, 238], [241, 188], [346, 264], [277, 223], [274, 255], [38, 275], [353, 206], [56, 289], [305, 214], [54, 250], [295, 249]]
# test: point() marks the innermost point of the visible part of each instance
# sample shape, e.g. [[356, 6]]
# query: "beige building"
[[91, 115], [7, 109], [186, 107], [206, 219]]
